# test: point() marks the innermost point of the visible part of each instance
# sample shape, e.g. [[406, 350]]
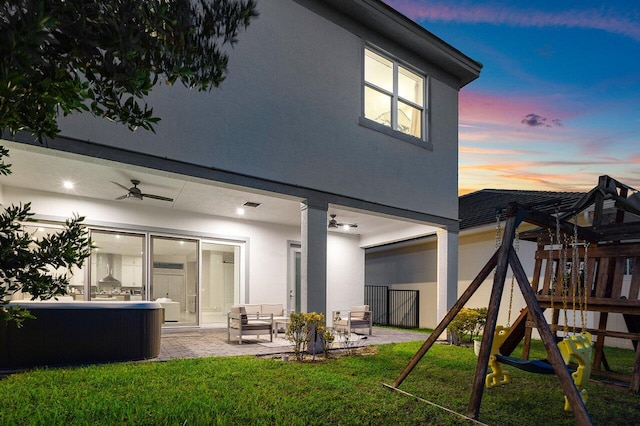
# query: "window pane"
[[377, 106], [409, 120], [378, 70], [116, 266], [410, 86]]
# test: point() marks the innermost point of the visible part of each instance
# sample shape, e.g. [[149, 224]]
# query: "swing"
[[574, 349]]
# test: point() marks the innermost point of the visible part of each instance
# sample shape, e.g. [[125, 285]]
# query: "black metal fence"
[[399, 308]]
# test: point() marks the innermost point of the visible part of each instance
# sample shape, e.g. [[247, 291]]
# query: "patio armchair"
[[358, 317], [239, 324]]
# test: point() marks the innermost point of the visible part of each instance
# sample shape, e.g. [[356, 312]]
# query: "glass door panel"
[[117, 269], [294, 280], [174, 278], [220, 281]]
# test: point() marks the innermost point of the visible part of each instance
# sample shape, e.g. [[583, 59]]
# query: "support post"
[[634, 386], [447, 277], [314, 256]]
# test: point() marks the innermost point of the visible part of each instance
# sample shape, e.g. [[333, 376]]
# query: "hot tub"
[[72, 333]]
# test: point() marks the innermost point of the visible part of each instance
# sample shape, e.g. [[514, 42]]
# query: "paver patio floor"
[[197, 343]]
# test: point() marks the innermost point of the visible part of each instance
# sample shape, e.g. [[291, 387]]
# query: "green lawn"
[[249, 391]]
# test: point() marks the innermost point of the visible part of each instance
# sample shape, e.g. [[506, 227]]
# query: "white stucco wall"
[[267, 247], [289, 110], [345, 272], [408, 268]]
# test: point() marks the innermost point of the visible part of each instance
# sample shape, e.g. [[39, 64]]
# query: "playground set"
[[578, 268]]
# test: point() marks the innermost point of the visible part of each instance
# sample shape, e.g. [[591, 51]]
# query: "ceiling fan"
[[135, 192], [333, 223]]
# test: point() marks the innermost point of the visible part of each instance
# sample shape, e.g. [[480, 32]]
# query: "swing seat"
[[497, 375], [578, 349], [536, 366]]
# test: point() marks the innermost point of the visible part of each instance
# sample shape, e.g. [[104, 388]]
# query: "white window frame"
[[392, 130]]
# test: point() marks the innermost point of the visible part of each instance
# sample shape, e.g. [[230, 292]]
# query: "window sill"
[[370, 124]]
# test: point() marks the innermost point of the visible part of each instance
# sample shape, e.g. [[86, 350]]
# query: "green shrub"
[[305, 326], [469, 322]]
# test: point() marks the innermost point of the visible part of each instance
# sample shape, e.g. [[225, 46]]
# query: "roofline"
[[410, 35]]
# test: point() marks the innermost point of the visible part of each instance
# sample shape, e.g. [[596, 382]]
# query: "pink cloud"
[[598, 19], [477, 107], [493, 151]]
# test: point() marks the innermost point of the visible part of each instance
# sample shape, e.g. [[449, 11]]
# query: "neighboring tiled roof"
[[479, 208]]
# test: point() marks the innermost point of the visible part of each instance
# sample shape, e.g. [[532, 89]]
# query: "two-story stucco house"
[[331, 107]]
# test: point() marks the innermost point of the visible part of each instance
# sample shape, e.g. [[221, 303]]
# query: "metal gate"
[[399, 308]]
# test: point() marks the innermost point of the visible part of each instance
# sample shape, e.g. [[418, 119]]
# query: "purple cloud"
[[535, 120]]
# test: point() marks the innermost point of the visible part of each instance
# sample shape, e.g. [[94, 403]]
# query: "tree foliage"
[[28, 263], [38, 266], [105, 56]]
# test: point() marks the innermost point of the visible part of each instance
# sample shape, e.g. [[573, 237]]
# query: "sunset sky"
[[558, 101]]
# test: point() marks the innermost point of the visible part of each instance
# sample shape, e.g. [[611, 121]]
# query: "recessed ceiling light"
[[68, 184], [240, 211]]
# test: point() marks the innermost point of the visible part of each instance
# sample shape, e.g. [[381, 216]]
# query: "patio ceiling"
[[35, 169]]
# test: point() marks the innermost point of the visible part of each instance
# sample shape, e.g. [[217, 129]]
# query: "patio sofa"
[[276, 309], [358, 317], [255, 320]]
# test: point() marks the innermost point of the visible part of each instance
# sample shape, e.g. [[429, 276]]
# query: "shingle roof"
[[479, 208]]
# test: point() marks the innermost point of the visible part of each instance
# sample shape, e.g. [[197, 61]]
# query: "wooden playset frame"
[[610, 242]]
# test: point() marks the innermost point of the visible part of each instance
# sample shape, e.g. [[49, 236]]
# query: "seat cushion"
[[238, 311], [357, 311], [252, 309], [272, 308]]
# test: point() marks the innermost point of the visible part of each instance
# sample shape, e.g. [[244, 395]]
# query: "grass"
[[249, 390]]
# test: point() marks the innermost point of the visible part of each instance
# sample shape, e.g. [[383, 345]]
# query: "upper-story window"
[[394, 95]]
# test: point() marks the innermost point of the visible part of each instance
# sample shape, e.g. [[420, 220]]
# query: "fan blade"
[[350, 225], [157, 197], [122, 197], [120, 185]]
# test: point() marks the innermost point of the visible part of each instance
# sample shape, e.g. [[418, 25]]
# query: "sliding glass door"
[[220, 281], [174, 278]]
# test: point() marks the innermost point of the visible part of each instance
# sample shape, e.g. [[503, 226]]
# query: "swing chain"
[[575, 259], [564, 283], [552, 277], [498, 239], [516, 245], [585, 293]]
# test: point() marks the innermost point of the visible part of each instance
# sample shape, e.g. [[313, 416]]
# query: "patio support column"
[[314, 256], [447, 279]]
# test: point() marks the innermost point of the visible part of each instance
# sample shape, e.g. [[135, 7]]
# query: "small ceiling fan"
[[333, 223], [135, 192]]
